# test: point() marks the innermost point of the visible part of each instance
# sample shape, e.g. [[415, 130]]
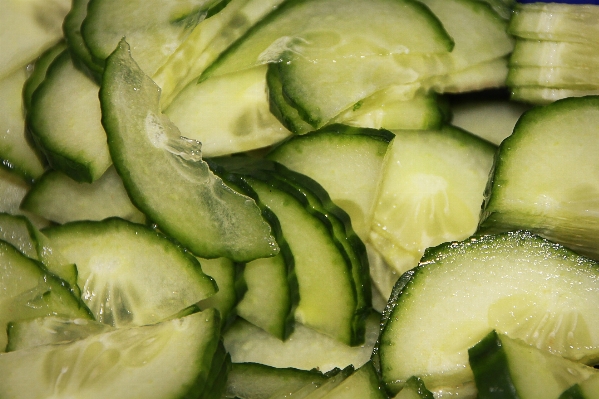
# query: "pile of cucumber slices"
[[319, 199]]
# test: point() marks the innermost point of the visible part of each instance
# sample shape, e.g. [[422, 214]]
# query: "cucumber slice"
[[540, 95], [165, 175], [18, 231], [28, 28], [28, 290], [16, 151], [554, 54], [588, 389], [129, 274], [516, 370], [486, 75], [106, 197], [431, 192], [296, 22], [346, 161], [72, 34], [154, 32], [64, 119], [522, 192], [249, 125], [516, 283], [306, 349], [330, 385], [165, 360], [48, 330], [556, 77], [12, 190], [38, 72], [258, 381], [362, 384], [577, 23]]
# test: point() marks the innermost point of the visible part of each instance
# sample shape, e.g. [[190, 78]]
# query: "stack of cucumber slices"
[[265, 199]]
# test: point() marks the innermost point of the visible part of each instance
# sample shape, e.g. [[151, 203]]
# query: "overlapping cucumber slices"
[[556, 51]]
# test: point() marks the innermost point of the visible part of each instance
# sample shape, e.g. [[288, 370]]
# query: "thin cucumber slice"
[[28, 290], [522, 192], [16, 150], [130, 275], [28, 28], [269, 300], [165, 176], [64, 119], [588, 389], [577, 23], [12, 190], [162, 361], [223, 271], [431, 191], [306, 349], [556, 77], [486, 75], [198, 113], [299, 22], [346, 161], [396, 108], [72, 34], [154, 30], [38, 72], [517, 370], [258, 381], [516, 283], [540, 95], [554, 54], [106, 197], [502, 7], [206, 43], [414, 389], [331, 384], [48, 330]]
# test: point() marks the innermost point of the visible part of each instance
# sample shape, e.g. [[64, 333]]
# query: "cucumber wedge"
[[129, 275], [553, 194], [165, 175], [516, 283], [516, 370], [166, 360]]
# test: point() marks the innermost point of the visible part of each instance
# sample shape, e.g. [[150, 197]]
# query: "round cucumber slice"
[[128, 273], [516, 283]]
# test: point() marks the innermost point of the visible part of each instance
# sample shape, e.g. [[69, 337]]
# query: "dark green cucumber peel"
[[491, 369]]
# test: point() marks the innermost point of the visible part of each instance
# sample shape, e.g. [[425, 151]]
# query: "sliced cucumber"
[[198, 113], [223, 271], [346, 161], [37, 72], [18, 231], [555, 194], [576, 23], [485, 75], [431, 192], [72, 34], [28, 28], [517, 283], [414, 389], [12, 190], [306, 349], [165, 360], [16, 150], [541, 95], [331, 384], [556, 77], [130, 275], [516, 370], [29, 333], [588, 389], [258, 381], [554, 54], [362, 384], [105, 197], [165, 175], [154, 30], [64, 119], [28, 290]]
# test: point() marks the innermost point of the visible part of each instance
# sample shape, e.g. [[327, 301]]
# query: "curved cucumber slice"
[[162, 361], [165, 175], [555, 194], [129, 274], [520, 371], [516, 283]]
